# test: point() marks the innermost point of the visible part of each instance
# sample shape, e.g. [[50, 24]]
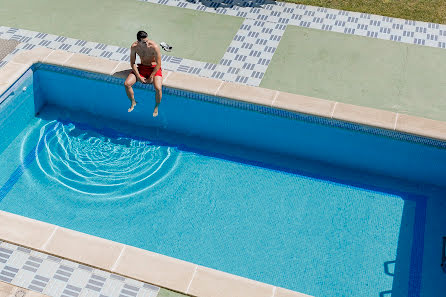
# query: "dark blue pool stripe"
[[416, 258], [29, 159]]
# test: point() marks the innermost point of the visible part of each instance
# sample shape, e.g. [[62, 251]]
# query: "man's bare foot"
[[132, 106], [155, 112]]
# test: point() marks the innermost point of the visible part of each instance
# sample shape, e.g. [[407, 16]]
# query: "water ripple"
[[89, 162]]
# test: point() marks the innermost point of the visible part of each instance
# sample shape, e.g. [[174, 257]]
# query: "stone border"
[[167, 272], [297, 103]]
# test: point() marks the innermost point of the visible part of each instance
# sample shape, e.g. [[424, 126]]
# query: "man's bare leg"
[[129, 82], [157, 83]]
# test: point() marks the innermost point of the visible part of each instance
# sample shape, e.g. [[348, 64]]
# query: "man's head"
[[142, 36]]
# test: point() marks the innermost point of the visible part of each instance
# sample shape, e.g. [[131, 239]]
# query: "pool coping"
[[168, 272], [256, 95]]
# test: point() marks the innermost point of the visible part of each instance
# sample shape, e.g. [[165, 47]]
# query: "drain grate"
[[6, 47]]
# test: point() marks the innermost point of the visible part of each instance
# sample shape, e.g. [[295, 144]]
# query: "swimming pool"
[[314, 205]]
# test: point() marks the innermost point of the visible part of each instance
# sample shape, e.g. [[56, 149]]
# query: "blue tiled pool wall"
[[315, 138], [17, 108], [350, 145]]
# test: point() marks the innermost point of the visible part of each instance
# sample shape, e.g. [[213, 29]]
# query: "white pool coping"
[[160, 270]]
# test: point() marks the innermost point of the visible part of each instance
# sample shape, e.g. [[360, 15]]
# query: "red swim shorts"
[[146, 70]]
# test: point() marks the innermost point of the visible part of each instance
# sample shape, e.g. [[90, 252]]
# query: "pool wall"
[[183, 276], [258, 126]]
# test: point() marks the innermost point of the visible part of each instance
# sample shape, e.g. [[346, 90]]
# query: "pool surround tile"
[[213, 283], [89, 63], [193, 83], [84, 248], [23, 230], [122, 70], [304, 104], [364, 115], [57, 57], [246, 93], [164, 271], [39, 55], [11, 72], [281, 292], [3, 87], [421, 126]]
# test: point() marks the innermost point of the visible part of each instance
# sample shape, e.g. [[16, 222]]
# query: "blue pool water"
[[220, 186]]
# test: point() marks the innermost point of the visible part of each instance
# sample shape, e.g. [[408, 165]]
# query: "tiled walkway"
[[252, 48], [56, 277]]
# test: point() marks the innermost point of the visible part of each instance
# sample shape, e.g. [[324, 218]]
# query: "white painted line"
[[275, 98], [49, 238], [117, 260], [396, 120], [188, 287], [332, 112], [218, 89]]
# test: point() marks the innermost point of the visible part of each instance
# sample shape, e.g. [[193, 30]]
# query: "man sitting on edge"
[[149, 71]]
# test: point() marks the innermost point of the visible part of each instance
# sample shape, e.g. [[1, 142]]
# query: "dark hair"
[[141, 35]]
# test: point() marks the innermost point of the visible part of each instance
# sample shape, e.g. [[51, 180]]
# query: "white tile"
[[54, 288], [23, 278], [80, 278], [48, 268], [17, 259], [112, 287]]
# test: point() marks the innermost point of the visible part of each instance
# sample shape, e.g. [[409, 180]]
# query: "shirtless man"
[[149, 71]]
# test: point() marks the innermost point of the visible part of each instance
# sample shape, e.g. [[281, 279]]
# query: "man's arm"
[[158, 62], [132, 63]]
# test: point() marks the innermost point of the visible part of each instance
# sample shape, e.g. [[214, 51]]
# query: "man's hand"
[[142, 80]]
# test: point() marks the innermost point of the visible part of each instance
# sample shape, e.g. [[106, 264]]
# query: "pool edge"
[[128, 261], [356, 114]]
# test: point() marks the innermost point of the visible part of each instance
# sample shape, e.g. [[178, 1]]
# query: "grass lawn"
[[421, 10]]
